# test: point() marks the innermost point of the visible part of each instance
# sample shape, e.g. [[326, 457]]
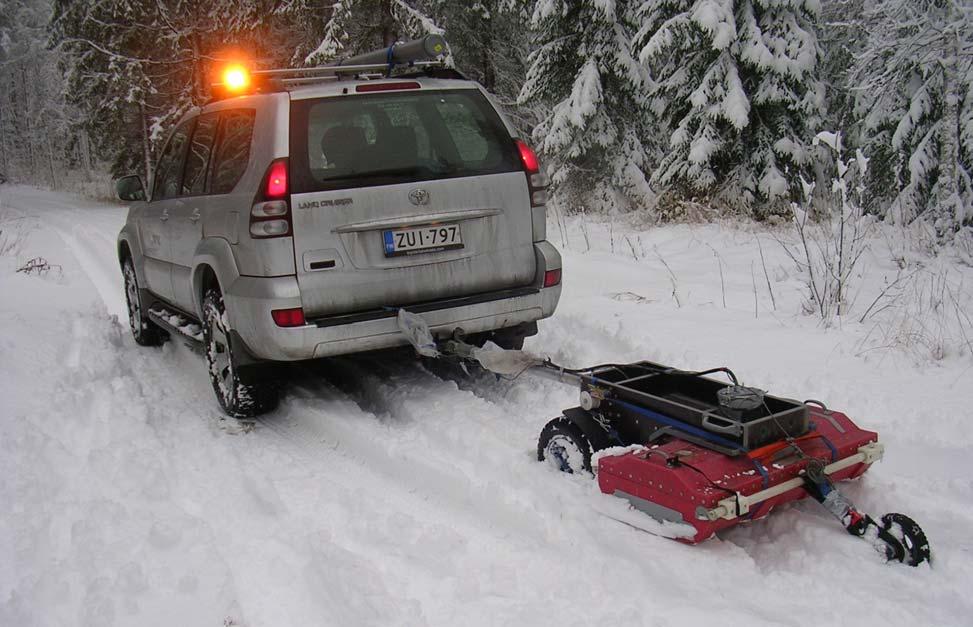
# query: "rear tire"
[[564, 446], [242, 391], [145, 332]]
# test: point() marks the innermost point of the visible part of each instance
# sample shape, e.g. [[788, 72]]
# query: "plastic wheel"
[[241, 391], [145, 332], [564, 446]]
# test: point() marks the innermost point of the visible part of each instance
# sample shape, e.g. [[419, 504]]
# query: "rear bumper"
[[250, 300]]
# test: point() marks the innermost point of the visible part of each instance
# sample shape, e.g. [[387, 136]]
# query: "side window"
[[168, 172], [198, 159], [233, 151]]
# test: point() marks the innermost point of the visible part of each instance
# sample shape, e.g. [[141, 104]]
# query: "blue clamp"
[[388, 60]]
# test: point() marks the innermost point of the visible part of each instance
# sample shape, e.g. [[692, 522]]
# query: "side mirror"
[[130, 189]]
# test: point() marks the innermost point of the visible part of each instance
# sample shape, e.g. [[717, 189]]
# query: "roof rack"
[[426, 54], [333, 71]]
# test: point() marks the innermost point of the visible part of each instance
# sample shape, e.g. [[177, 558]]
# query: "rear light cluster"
[[270, 215], [288, 317], [537, 181], [552, 278]]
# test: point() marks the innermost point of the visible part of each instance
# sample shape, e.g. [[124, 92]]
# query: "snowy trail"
[[386, 493]]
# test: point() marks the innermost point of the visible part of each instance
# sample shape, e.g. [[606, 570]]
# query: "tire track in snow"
[[368, 525], [498, 483]]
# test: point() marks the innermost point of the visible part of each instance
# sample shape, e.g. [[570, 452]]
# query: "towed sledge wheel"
[[564, 446], [145, 332], [241, 391], [904, 540]]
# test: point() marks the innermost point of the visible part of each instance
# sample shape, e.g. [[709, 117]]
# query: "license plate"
[[423, 239]]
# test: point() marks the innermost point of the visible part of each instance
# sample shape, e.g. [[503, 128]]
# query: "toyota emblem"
[[419, 196]]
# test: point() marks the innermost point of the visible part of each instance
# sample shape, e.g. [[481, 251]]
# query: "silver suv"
[[293, 223]]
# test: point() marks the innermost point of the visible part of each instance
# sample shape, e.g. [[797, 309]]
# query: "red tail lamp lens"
[[552, 277], [289, 317], [277, 179], [529, 157]]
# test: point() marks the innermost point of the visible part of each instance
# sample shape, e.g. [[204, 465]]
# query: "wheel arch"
[[127, 247], [213, 264]]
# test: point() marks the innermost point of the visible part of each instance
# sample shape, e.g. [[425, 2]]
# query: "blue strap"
[[834, 450], [388, 60], [680, 425], [765, 478]]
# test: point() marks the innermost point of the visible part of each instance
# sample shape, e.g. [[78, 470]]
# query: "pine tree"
[[490, 41], [842, 38], [914, 88], [33, 113], [738, 94], [357, 26], [586, 77], [134, 87]]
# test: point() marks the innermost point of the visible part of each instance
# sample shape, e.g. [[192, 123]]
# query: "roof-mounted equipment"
[[425, 54]]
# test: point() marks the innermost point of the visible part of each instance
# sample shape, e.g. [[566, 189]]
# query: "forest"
[[667, 109]]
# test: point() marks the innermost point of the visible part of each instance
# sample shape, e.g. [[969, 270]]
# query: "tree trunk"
[[146, 147], [29, 135], [389, 35], [84, 152], [50, 161], [945, 218], [486, 55], [4, 163]]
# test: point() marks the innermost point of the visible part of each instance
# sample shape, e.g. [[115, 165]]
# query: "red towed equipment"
[[679, 481], [692, 455], [709, 455]]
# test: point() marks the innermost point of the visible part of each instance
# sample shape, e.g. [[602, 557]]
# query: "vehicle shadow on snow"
[[371, 380]]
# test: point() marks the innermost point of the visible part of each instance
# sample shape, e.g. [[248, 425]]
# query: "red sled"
[[693, 456]]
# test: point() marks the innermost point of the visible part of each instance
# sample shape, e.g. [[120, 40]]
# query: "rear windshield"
[[388, 138]]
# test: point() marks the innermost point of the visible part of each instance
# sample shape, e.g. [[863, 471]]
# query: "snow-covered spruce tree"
[[842, 38], [357, 26], [738, 94], [490, 41], [136, 66], [107, 60], [914, 92], [35, 143], [584, 73]]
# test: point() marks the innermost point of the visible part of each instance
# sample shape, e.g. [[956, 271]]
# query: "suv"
[[292, 224]]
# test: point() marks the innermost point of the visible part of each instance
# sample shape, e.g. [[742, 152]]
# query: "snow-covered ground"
[[386, 493]]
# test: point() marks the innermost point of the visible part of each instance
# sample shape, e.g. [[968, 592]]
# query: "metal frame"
[[740, 504], [331, 71]]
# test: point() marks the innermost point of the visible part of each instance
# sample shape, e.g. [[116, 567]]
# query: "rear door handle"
[[194, 216]]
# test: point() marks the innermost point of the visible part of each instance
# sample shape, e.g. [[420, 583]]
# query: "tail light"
[[270, 215], [536, 180], [288, 317], [552, 277]]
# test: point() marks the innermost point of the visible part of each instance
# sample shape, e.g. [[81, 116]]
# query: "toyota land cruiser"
[[292, 222]]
